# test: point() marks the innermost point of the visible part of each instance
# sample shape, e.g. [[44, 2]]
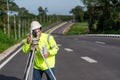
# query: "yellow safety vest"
[[52, 48]]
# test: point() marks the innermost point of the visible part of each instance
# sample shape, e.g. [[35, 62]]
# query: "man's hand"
[[46, 54], [29, 40]]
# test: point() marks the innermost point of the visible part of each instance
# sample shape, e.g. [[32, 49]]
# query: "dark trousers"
[[37, 74]]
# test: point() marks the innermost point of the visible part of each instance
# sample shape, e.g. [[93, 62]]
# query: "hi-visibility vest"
[[50, 43]]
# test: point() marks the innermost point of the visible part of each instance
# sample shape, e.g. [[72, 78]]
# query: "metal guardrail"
[[105, 35]]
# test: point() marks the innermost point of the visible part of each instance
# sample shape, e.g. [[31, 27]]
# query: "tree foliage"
[[104, 13], [78, 13]]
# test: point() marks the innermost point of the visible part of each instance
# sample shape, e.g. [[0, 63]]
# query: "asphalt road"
[[71, 64], [79, 58]]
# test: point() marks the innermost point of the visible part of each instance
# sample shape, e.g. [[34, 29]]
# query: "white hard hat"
[[35, 25]]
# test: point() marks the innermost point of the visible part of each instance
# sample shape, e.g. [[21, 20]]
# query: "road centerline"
[[88, 59], [68, 49], [99, 42]]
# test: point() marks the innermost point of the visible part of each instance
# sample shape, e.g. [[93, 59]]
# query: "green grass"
[[6, 42], [78, 28]]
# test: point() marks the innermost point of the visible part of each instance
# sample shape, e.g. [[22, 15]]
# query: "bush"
[[5, 41]]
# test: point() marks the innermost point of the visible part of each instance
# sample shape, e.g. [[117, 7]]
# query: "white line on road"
[[88, 59], [59, 45], [100, 42], [5, 62], [68, 49]]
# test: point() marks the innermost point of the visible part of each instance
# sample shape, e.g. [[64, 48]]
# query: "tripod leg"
[[44, 51], [28, 74]]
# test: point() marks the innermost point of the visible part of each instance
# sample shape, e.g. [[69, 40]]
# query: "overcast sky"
[[54, 6]]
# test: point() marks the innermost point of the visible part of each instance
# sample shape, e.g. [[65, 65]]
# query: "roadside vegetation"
[[82, 28], [78, 28], [5, 42], [102, 16]]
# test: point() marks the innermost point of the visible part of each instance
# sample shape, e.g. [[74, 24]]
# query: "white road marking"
[[100, 42], [88, 59], [68, 49], [5, 62], [59, 45]]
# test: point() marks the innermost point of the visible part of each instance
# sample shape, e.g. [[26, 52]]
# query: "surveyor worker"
[[40, 66]]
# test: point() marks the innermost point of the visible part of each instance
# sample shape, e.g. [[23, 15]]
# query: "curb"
[[67, 29]]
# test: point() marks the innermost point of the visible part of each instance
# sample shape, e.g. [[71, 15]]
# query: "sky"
[[60, 7]]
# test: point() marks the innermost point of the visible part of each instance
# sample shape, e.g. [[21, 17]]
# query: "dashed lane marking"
[[88, 59], [100, 42], [59, 45], [68, 49]]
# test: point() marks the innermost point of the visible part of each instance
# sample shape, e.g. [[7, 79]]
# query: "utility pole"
[[19, 29], [8, 21], [15, 27]]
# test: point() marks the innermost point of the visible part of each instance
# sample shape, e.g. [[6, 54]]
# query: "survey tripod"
[[28, 74]]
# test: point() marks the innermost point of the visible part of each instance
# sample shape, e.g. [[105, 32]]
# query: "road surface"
[[80, 58]]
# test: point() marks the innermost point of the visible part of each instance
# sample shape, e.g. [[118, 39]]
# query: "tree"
[[42, 13], [3, 16], [90, 4], [105, 13], [78, 13], [3, 19], [109, 19]]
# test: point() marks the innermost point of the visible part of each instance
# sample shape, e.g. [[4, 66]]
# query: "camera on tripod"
[[34, 36], [34, 33]]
